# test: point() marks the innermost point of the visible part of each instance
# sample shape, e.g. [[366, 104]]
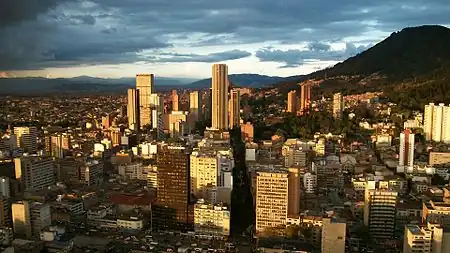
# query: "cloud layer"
[[315, 51], [37, 34]]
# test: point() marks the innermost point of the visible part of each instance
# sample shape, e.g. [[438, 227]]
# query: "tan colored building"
[[235, 108], [219, 96], [247, 131], [436, 126], [26, 138], [106, 121], [271, 200], [133, 109], [438, 158], [29, 218], [34, 173], [333, 236], [436, 213], [60, 144], [204, 172], [338, 105], [294, 191], [177, 116], [380, 209], [418, 239], [175, 101], [211, 219], [144, 83], [292, 102], [305, 99], [195, 105]]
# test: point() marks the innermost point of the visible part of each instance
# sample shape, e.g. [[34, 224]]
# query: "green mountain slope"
[[412, 66]]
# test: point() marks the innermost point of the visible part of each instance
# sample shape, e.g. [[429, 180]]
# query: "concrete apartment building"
[[211, 219], [29, 218], [271, 199], [195, 105], [209, 171], [380, 209], [436, 126], [34, 172], [333, 236], [428, 238], [406, 152], [234, 108], [26, 138]]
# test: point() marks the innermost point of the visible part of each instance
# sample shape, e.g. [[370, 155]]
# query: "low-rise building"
[[211, 219]]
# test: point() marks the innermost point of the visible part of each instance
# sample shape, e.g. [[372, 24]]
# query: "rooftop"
[[132, 199]]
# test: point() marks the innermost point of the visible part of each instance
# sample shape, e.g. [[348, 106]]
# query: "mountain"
[[39, 85], [243, 80], [412, 66]]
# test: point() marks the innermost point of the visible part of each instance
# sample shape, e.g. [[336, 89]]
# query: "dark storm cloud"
[[16, 11], [42, 33], [214, 57], [84, 19], [295, 57]]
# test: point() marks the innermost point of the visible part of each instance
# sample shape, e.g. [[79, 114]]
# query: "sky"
[[183, 38]]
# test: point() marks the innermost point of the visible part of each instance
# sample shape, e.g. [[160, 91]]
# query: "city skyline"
[[119, 41]]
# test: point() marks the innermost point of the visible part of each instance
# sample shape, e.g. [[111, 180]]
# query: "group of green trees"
[[306, 126]]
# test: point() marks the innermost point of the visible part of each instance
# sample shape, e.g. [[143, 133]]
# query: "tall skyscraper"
[[133, 109], [175, 101], [235, 108], [144, 83], [34, 173], [208, 106], [406, 152], [380, 209], [294, 191], [271, 199], [59, 145], [195, 105], [305, 99], [173, 186], [436, 125], [333, 236], [157, 103], [292, 101], [446, 124], [338, 105], [219, 96], [428, 121], [26, 138]]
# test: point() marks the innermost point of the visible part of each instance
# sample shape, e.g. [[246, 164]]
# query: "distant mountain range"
[[87, 84], [245, 80], [38, 85], [411, 66]]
